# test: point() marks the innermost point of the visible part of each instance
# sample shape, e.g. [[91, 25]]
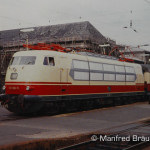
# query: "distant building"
[[81, 34], [138, 55]]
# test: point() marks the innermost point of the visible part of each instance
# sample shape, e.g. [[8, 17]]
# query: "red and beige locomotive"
[[38, 78]]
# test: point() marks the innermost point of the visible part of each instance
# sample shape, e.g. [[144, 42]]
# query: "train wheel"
[[125, 101], [51, 108], [102, 102], [97, 103], [71, 106], [117, 101], [62, 107], [89, 104]]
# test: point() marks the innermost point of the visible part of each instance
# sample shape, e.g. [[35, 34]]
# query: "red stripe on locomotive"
[[71, 89]]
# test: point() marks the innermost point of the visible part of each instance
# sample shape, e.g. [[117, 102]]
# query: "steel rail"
[[113, 145]]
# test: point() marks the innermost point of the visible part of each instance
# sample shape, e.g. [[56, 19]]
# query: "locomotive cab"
[[27, 75], [18, 64]]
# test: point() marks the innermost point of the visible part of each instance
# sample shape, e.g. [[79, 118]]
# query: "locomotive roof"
[[70, 55]]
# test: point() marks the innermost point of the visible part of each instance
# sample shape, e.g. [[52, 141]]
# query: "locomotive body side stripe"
[[139, 84], [70, 89], [37, 83]]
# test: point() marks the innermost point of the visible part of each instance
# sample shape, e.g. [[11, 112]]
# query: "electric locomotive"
[[39, 78]]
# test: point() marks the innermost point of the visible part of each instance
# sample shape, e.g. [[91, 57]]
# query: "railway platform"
[[18, 129]]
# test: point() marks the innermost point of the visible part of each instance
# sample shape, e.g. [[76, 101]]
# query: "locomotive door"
[[64, 76]]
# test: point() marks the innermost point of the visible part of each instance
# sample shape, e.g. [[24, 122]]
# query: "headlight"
[[27, 88], [4, 87], [13, 76]]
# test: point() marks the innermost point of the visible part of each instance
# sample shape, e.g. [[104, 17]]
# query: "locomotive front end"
[[19, 95]]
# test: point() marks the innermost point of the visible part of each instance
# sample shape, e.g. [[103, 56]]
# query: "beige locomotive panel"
[[139, 74], [147, 77], [61, 71]]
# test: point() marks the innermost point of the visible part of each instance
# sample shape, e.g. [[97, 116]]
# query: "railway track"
[[134, 138], [107, 146], [139, 128], [9, 116]]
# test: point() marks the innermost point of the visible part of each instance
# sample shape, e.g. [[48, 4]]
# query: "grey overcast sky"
[[108, 16]]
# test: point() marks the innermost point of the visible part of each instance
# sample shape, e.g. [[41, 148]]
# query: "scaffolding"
[[81, 35]]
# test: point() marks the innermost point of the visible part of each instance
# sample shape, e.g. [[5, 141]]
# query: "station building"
[[138, 54]]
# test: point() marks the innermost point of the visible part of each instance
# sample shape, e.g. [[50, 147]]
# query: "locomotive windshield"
[[23, 60]]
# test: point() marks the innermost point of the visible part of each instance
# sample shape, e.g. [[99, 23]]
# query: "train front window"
[[23, 60], [27, 60], [14, 61]]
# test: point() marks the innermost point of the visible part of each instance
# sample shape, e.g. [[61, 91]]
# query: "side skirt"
[[90, 96]]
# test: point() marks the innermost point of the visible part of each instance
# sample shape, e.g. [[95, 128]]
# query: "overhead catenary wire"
[[131, 24]]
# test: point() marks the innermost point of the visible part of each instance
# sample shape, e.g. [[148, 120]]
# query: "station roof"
[[65, 32]]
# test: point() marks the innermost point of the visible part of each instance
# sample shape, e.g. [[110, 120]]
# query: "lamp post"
[[27, 37]]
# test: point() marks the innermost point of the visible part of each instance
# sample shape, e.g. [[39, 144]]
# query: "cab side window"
[[49, 61]]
